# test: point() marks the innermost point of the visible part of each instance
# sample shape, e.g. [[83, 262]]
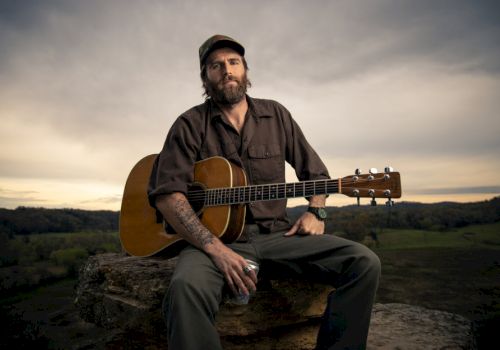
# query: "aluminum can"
[[242, 299]]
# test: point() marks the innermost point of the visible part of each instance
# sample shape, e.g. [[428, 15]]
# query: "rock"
[[117, 291], [124, 294], [408, 327]]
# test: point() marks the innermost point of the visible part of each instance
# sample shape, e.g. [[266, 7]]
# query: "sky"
[[87, 88]]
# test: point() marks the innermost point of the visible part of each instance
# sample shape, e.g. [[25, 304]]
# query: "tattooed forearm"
[[188, 219], [178, 212]]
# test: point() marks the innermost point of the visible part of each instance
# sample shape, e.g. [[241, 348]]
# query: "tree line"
[[353, 221], [25, 220], [356, 222]]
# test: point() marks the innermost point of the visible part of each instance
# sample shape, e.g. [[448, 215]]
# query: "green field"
[[474, 236], [456, 271]]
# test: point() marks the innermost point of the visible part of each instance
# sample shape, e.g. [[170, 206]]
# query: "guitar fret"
[[282, 191], [267, 192]]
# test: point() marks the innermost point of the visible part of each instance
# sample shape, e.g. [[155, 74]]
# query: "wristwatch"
[[320, 213]]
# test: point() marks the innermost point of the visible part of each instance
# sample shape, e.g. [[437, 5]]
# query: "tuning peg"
[[389, 169], [373, 171], [389, 203], [373, 202], [356, 194], [357, 171]]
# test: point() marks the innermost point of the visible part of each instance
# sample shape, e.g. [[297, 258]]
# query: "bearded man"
[[259, 136]]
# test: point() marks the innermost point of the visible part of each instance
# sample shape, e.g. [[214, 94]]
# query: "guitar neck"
[[269, 192]]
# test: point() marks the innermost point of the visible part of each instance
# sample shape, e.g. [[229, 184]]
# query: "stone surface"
[[117, 291], [409, 327], [124, 294]]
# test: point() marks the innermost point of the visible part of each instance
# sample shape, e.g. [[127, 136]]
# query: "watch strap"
[[317, 211]]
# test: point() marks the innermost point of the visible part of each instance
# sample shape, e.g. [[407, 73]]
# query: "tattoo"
[[187, 218]]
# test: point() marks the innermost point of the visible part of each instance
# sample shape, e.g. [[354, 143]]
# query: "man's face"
[[226, 80]]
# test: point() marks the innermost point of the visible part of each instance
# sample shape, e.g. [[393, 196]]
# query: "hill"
[[348, 220], [24, 220]]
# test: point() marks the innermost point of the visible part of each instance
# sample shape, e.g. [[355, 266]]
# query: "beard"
[[227, 94]]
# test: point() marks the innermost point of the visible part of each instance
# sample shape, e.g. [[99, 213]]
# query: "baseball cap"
[[216, 42]]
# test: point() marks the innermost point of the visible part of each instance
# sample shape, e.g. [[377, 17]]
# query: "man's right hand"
[[179, 213], [232, 265]]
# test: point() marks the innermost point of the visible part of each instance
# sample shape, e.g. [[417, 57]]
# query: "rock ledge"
[[124, 294]]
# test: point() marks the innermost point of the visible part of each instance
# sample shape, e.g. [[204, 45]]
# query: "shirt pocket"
[[267, 163]]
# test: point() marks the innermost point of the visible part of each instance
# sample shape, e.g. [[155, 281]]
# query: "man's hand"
[[307, 224], [231, 265], [178, 212]]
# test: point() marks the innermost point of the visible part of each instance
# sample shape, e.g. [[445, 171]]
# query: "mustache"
[[228, 78]]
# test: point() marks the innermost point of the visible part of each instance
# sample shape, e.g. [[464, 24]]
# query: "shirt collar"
[[255, 109]]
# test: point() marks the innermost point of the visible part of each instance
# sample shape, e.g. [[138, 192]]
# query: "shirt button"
[[267, 154]]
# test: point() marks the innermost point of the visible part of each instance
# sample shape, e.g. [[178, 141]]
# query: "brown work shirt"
[[268, 138]]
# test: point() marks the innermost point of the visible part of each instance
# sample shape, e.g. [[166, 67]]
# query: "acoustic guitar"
[[219, 196]]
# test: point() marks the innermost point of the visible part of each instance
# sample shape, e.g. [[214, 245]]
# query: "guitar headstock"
[[372, 185]]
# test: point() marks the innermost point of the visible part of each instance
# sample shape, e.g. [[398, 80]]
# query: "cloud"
[[111, 200], [11, 198], [333, 40], [88, 88], [460, 190]]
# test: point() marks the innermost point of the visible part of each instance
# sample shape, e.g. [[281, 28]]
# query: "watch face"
[[322, 213], [319, 212]]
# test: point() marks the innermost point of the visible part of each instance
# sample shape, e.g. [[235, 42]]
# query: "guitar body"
[[142, 234]]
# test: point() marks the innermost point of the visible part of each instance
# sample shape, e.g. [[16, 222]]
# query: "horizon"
[[89, 88], [380, 203]]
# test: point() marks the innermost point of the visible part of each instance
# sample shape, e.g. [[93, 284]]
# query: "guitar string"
[[233, 194], [308, 185], [311, 183]]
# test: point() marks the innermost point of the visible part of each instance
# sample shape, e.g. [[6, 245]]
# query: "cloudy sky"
[[87, 88]]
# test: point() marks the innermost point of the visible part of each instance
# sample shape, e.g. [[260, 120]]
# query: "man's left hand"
[[307, 224]]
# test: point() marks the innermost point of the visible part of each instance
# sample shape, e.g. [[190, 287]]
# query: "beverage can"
[[242, 299]]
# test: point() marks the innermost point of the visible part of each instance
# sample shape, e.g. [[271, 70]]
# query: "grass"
[[476, 236], [455, 271]]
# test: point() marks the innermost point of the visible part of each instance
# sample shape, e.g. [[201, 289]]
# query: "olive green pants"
[[195, 292]]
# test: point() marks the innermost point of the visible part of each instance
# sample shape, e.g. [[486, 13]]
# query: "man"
[[259, 136]]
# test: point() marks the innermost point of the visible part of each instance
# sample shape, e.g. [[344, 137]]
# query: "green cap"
[[216, 42]]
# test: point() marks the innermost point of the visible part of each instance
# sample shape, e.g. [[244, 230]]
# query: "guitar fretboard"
[[269, 192]]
